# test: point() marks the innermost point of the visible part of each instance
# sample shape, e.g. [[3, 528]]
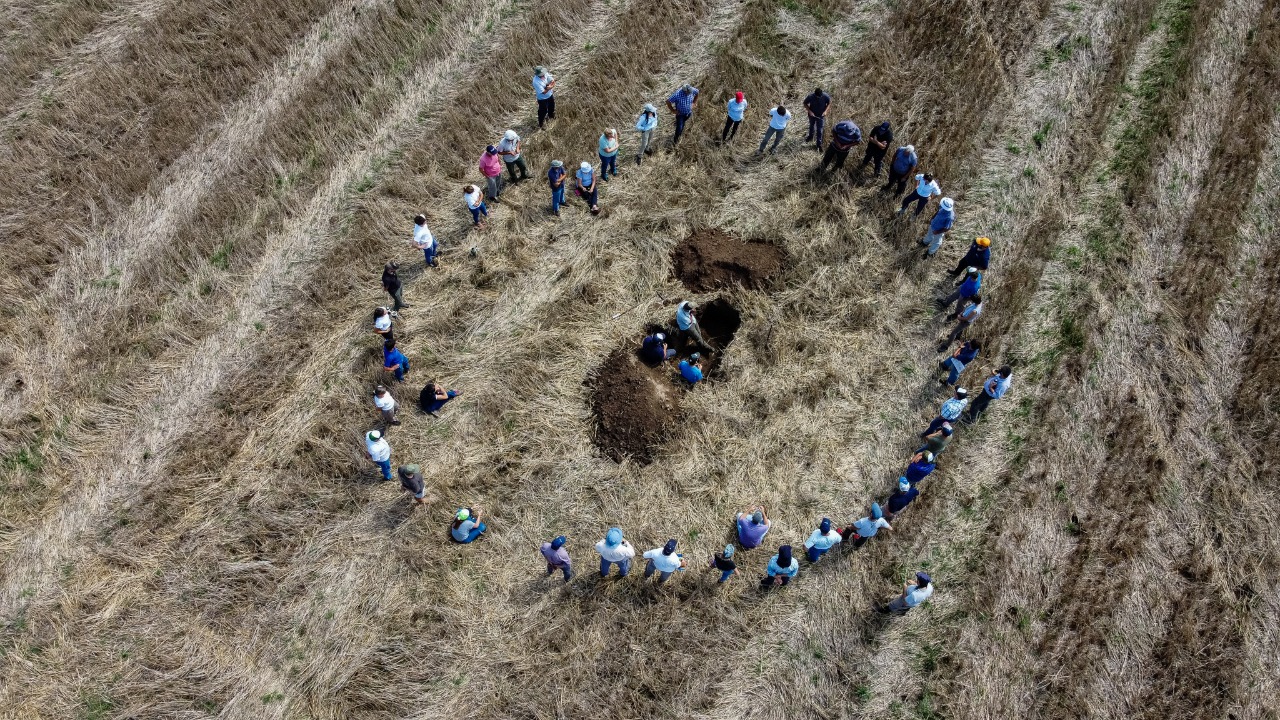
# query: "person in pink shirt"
[[491, 167]]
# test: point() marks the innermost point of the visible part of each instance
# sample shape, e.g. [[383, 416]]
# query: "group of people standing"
[[752, 524]]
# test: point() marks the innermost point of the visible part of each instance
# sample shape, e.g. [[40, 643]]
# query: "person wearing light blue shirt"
[[913, 594], [866, 528], [782, 568], [691, 369], [993, 389], [821, 540], [586, 186], [544, 86], [687, 327], [737, 109], [645, 125], [938, 227], [608, 150]]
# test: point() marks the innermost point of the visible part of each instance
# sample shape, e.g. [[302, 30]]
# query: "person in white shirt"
[[377, 450], [926, 187], [778, 119], [387, 404], [615, 549], [510, 149], [663, 560], [382, 324], [424, 240], [821, 540], [474, 199], [913, 594]]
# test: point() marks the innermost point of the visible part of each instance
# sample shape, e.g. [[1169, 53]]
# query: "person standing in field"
[[646, 123], [949, 412], [475, 203], [424, 240], [382, 326], [967, 288], [491, 168], [877, 145], [955, 364], [411, 480], [921, 466], [557, 557], [936, 441], [736, 109], [691, 369], [614, 549], [654, 349], [844, 136], [941, 222], [723, 562], [586, 186], [544, 85], [926, 187], [688, 327], [378, 451], [903, 165], [993, 389], [434, 396], [821, 540], [901, 498], [386, 406], [913, 594], [608, 147], [681, 103], [394, 361], [391, 283], [663, 560], [859, 531], [466, 525], [979, 256], [753, 524], [969, 313], [782, 569], [555, 179], [778, 119], [510, 148], [816, 105]]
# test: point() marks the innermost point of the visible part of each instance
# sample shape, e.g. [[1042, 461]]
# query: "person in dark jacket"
[[411, 480], [655, 351], [817, 105], [979, 256], [962, 356], [877, 146], [844, 136], [434, 396], [922, 464], [901, 498], [391, 283]]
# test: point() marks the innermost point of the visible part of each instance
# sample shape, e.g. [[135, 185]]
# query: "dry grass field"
[[197, 201]]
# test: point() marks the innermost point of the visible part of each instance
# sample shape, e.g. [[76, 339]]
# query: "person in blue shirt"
[[555, 179], [544, 86], [859, 531], [993, 389], [394, 361], [901, 168], [691, 369], [901, 498], [821, 540], [736, 108], [646, 123], [955, 364], [466, 525], [585, 186], [608, 150], [967, 288], [979, 256], [922, 463], [941, 222], [782, 568], [844, 136], [654, 349], [681, 104]]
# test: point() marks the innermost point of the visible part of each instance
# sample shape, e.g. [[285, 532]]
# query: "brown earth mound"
[[710, 259], [635, 407]]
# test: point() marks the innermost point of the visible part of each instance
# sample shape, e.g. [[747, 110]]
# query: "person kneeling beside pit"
[[691, 369]]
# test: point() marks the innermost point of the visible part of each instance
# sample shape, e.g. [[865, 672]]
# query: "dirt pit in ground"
[[637, 406], [712, 259]]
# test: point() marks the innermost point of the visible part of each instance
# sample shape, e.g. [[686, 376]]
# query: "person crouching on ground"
[[753, 524], [434, 396], [691, 369], [913, 594], [586, 187], [654, 349], [466, 525], [688, 327]]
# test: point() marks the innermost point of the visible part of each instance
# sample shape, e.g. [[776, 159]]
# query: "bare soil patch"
[[712, 259]]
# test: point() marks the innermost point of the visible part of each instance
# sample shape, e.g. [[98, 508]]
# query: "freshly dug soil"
[[711, 259], [636, 407]]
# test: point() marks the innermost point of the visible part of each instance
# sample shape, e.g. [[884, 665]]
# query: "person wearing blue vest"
[[941, 222], [691, 369], [967, 288], [901, 168]]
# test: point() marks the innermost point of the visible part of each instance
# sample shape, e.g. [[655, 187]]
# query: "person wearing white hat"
[[555, 179], [654, 350], [901, 498], [942, 221], [544, 84], [913, 594], [585, 186], [646, 123], [378, 450], [510, 150]]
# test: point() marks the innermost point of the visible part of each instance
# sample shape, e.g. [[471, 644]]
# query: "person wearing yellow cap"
[[979, 256]]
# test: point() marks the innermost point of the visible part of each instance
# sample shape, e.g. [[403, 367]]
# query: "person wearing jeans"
[[821, 540], [557, 557], [377, 450], [900, 168], [466, 525], [926, 188], [967, 288], [939, 224], [723, 561], [544, 88], [681, 104], [614, 549], [394, 361], [475, 203], [608, 147], [555, 179], [817, 105], [778, 119], [663, 560], [645, 125], [587, 187], [955, 364], [434, 396], [736, 110], [993, 389], [424, 240], [491, 168]]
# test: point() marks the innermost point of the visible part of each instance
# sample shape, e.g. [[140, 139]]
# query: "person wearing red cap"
[[737, 108]]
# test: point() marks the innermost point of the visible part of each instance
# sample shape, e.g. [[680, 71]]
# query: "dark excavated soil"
[[712, 259]]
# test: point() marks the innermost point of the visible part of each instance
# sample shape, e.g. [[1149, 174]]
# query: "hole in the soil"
[[720, 322], [711, 259]]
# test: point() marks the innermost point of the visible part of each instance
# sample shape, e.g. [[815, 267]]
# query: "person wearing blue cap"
[[557, 557], [866, 528], [664, 560], [655, 351], [615, 549], [691, 369], [723, 561], [922, 463], [821, 540], [753, 525], [782, 568], [901, 498], [913, 594], [466, 525], [963, 355]]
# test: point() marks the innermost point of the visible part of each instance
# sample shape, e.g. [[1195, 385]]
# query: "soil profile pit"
[[637, 407], [712, 259]]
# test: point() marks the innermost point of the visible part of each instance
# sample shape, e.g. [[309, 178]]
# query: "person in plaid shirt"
[[682, 103]]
